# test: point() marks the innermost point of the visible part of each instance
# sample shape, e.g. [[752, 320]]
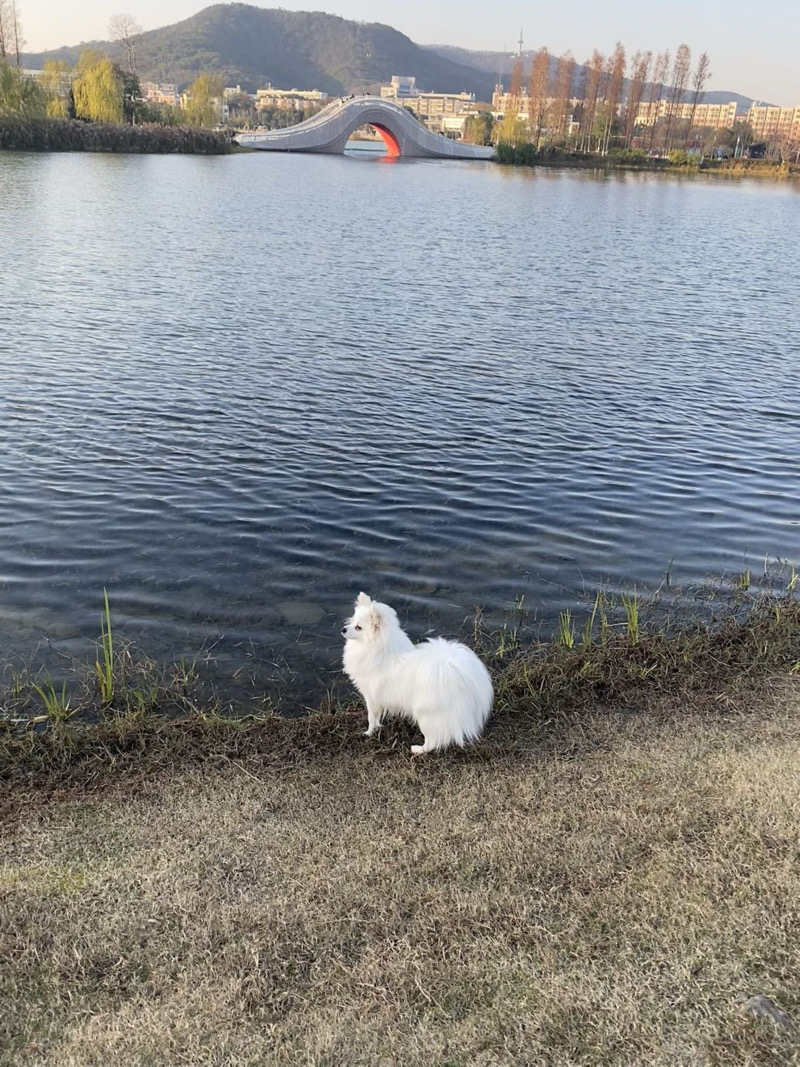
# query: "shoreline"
[[526, 156], [776, 173], [129, 709], [71, 135]]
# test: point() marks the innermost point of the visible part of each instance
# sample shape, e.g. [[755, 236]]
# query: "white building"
[[155, 93], [290, 99]]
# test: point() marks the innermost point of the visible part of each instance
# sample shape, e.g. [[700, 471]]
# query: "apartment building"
[[716, 116], [403, 90], [713, 116], [290, 99], [401, 87], [503, 102], [774, 123], [155, 93]]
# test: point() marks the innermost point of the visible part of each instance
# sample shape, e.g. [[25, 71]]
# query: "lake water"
[[235, 391]]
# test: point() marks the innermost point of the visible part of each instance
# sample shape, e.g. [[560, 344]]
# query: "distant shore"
[[525, 155], [70, 135]]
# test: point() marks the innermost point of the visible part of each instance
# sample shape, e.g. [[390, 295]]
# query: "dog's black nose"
[[344, 631]]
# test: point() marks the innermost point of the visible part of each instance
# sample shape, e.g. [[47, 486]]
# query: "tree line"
[[97, 89], [595, 107]]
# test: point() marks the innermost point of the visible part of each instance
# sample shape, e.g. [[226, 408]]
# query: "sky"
[[754, 47]]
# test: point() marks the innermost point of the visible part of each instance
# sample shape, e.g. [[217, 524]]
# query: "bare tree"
[[537, 93], [515, 87], [657, 91], [641, 65], [701, 75], [680, 79], [616, 83], [562, 95], [11, 39], [595, 71], [125, 30], [19, 41]]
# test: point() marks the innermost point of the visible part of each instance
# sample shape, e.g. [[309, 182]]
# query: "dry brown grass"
[[587, 891]]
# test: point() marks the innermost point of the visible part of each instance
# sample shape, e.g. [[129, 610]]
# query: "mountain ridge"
[[252, 46]]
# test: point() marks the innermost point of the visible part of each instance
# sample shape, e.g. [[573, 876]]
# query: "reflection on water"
[[235, 391]]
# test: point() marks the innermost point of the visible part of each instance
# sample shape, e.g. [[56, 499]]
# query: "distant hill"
[[499, 64], [252, 46]]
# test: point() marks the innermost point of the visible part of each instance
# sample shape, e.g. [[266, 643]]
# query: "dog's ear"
[[362, 600], [376, 618]]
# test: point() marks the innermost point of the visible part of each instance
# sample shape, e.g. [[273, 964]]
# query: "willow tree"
[[97, 89], [55, 81], [478, 128], [19, 94], [205, 99], [512, 129]]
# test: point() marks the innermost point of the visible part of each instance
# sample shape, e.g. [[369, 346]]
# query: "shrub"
[[70, 135], [678, 157]]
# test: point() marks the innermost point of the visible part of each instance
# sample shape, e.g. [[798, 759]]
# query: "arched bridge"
[[330, 129]]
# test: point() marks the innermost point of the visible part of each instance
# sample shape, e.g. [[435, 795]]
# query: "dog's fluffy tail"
[[455, 693]]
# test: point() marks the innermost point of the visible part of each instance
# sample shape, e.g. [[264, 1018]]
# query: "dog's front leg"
[[373, 719]]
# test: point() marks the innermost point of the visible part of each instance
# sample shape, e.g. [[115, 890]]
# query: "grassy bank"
[[626, 651], [750, 168], [528, 155], [634, 159], [70, 135], [609, 877]]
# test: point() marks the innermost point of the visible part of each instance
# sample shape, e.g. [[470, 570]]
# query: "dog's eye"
[[358, 627]]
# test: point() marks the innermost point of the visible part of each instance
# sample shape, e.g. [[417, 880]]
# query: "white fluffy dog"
[[441, 685]]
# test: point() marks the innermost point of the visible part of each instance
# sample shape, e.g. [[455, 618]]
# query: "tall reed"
[[105, 670]]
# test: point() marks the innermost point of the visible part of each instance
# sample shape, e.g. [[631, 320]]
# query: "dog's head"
[[370, 620]]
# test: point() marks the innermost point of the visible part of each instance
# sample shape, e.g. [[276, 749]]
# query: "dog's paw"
[[417, 750]]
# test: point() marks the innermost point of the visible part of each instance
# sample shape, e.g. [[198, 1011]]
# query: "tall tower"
[[515, 88]]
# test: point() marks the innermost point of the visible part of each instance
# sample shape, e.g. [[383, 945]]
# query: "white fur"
[[441, 685]]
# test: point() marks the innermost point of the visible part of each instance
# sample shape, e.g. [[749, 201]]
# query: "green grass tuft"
[[105, 670]]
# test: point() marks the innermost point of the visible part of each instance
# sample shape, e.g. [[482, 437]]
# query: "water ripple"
[[521, 383]]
